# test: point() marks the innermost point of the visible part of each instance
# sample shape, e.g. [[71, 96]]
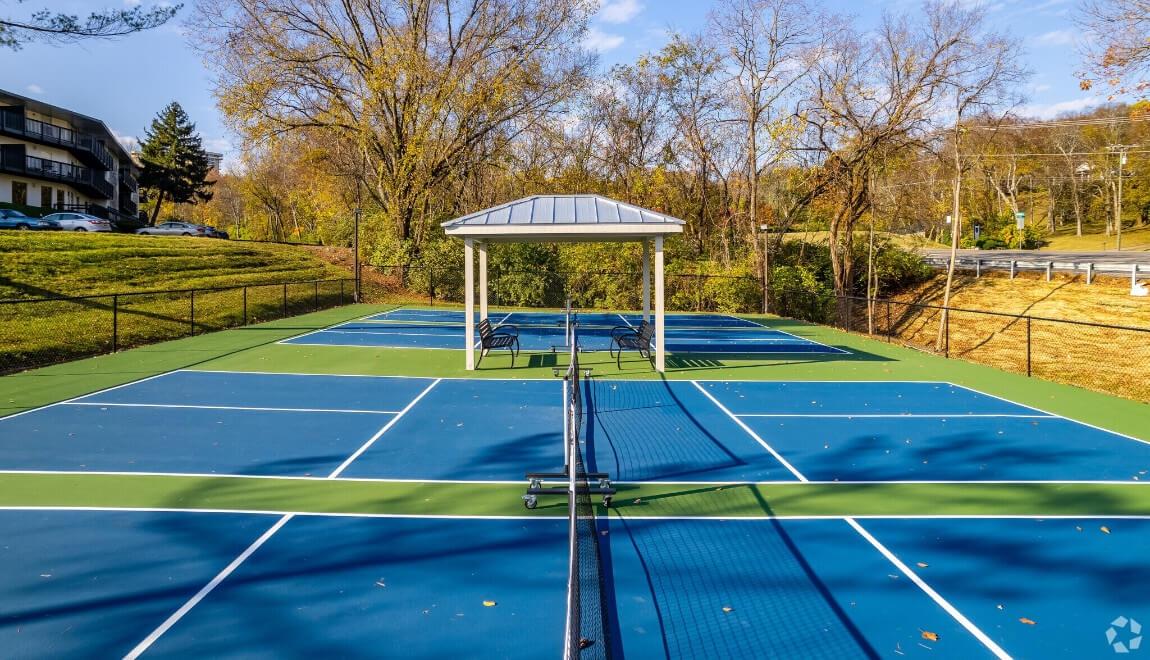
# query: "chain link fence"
[[1107, 358], [42, 331]]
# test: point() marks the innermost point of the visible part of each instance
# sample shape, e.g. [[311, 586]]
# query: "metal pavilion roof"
[[564, 218]]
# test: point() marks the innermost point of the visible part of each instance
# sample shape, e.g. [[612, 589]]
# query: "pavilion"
[[563, 219]]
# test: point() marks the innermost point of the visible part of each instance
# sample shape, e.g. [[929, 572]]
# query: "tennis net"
[[588, 629]]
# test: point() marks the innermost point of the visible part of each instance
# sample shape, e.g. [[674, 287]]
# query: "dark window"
[[59, 198], [20, 193], [46, 197]]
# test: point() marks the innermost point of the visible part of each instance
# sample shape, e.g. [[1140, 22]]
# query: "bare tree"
[[1116, 49], [61, 28], [421, 86]]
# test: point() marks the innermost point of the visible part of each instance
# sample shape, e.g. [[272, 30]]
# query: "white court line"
[[81, 396], [897, 415], [1069, 419], [309, 375], [206, 407], [763, 325], [564, 516], [903, 568], [269, 477], [285, 340], [518, 482], [172, 620], [392, 334]]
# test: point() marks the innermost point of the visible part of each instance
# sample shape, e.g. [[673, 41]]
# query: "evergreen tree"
[[175, 165]]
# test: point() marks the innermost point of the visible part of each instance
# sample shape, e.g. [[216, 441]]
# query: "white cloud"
[[1051, 110], [129, 142], [131, 3], [619, 11], [1039, 88], [600, 41], [35, 89], [1057, 38]]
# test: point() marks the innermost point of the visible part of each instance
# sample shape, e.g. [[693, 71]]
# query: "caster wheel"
[[530, 501]]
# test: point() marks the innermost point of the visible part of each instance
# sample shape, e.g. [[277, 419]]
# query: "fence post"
[[316, 305], [284, 315], [1133, 276], [1028, 347], [341, 293], [977, 268], [1049, 270], [946, 345], [1090, 272], [889, 324], [192, 313], [115, 323], [431, 284], [1012, 267], [245, 305]]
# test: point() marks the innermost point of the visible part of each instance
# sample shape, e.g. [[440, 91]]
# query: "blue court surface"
[[77, 584], [88, 583], [546, 331]]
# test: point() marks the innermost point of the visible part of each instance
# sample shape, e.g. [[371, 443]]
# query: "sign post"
[[1020, 224]]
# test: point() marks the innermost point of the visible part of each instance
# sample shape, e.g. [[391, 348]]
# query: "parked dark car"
[[216, 233], [13, 219]]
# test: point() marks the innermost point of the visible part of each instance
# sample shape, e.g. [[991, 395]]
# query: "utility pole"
[[1121, 150]]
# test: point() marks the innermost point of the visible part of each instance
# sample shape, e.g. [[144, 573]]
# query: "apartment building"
[[54, 159]]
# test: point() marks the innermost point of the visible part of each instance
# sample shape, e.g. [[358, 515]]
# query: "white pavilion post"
[[660, 326], [483, 279], [646, 280], [469, 300]]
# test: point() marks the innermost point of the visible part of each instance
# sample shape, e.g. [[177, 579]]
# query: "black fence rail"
[[1108, 358], [40, 331], [605, 289]]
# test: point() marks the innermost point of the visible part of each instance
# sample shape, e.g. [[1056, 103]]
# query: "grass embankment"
[[1094, 238], [52, 265], [905, 241], [1107, 360]]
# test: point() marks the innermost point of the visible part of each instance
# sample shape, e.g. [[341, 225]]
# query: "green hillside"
[[36, 265]]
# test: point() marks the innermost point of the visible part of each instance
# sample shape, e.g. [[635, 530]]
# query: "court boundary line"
[[895, 415], [950, 609], [208, 588], [519, 482], [763, 325], [81, 396], [327, 327], [215, 407], [553, 518], [1047, 412]]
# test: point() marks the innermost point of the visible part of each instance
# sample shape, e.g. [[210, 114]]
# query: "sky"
[[127, 81]]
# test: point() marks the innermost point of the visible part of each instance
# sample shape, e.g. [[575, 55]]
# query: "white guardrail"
[[1090, 268]]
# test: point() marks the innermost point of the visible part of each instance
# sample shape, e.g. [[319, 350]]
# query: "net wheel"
[[607, 501], [530, 501]]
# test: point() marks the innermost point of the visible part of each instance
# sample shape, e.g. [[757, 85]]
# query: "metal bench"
[[502, 336], [626, 337]]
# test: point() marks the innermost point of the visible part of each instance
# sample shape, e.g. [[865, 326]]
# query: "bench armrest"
[[506, 330]]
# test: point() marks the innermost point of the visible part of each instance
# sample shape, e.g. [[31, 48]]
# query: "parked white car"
[[173, 229], [72, 221]]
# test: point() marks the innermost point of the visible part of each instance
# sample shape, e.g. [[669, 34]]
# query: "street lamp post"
[[355, 248], [1121, 150]]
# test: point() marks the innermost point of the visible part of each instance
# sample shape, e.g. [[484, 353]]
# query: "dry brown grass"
[[1111, 360]]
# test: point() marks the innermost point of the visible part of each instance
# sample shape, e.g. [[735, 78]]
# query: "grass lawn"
[[1132, 239], [52, 265]]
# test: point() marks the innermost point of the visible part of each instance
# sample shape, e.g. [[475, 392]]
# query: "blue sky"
[[125, 82]]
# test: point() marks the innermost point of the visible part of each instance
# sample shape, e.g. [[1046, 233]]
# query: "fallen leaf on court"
[[728, 608], [1105, 529], [637, 500], [380, 583], [922, 564], [489, 603], [932, 636], [1077, 527], [1028, 622], [1001, 607]]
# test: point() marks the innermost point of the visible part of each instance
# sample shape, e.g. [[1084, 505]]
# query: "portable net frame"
[[588, 629]]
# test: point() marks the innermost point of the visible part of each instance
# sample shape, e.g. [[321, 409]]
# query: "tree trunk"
[[156, 208], [955, 233]]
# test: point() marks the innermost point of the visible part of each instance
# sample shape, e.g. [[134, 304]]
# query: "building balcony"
[[128, 181], [85, 147], [85, 180]]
